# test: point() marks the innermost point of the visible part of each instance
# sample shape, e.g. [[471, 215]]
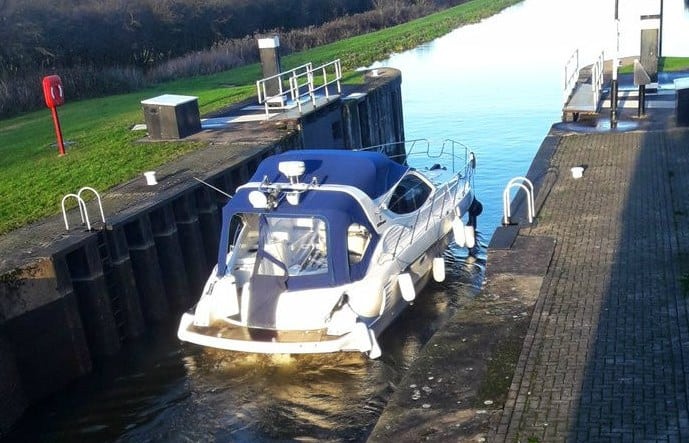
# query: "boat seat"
[[357, 241]]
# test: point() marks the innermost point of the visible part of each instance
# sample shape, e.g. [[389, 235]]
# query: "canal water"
[[495, 86]]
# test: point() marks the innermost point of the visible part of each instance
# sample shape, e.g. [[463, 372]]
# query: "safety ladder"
[[82, 207], [520, 183]]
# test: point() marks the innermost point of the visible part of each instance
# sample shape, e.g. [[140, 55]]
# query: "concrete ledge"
[[462, 376]]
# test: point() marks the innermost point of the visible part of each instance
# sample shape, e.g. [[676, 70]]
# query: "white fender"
[[246, 297], [459, 232], [362, 338], [375, 351], [439, 269], [470, 237], [219, 300], [224, 301], [406, 287], [202, 313]]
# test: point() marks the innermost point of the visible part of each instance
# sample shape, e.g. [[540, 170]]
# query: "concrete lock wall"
[[95, 290]]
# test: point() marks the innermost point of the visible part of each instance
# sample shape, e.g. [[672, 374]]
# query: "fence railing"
[[597, 78], [571, 74], [572, 77], [300, 85]]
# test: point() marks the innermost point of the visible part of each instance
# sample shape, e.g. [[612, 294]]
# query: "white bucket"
[[577, 171], [150, 178]]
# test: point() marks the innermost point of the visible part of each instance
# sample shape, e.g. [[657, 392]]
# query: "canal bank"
[[70, 298], [581, 332]]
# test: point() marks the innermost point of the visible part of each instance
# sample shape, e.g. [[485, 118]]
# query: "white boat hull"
[[327, 267], [362, 337]]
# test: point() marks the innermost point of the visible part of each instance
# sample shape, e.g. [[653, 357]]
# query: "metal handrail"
[[522, 183], [597, 79], [435, 208], [335, 79], [422, 148], [281, 96], [83, 212], [312, 85], [100, 203], [571, 74], [303, 85]]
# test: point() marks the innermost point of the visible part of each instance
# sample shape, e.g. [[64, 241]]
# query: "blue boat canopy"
[[371, 172]]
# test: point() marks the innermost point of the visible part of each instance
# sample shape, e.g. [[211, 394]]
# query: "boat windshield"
[[293, 246]]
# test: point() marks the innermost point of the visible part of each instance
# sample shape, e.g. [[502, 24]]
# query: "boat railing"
[[444, 199], [455, 152]]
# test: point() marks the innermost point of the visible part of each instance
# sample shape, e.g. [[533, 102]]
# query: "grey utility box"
[[682, 101], [171, 116]]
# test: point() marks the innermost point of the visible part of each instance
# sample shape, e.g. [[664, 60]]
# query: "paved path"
[[606, 356]]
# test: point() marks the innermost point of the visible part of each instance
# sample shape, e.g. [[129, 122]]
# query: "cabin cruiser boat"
[[322, 249]]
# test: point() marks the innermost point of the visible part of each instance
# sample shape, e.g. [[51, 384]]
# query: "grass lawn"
[[665, 64], [101, 148]]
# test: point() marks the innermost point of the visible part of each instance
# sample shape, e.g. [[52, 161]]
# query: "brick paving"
[[607, 351]]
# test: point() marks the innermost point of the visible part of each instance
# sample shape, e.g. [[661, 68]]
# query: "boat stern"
[[223, 335]]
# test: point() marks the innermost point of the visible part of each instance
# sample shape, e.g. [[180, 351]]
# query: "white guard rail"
[[300, 85], [597, 79], [82, 207], [446, 197], [571, 74], [521, 183]]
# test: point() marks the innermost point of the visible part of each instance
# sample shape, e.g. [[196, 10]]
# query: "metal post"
[[660, 40], [58, 131], [642, 101], [613, 83]]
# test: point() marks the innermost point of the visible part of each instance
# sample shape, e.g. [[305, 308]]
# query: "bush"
[[25, 93]]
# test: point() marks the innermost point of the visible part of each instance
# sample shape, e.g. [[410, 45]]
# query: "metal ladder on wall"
[[520, 183], [103, 253], [114, 295], [82, 207]]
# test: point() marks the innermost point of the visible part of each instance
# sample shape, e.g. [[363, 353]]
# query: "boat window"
[[358, 239], [409, 195], [294, 246]]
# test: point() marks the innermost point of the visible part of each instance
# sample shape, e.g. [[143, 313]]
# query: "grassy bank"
[[665, 64], [101, 147]]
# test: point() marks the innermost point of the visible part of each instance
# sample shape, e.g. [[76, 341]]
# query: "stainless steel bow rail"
[[83, 212], [521, 183]]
